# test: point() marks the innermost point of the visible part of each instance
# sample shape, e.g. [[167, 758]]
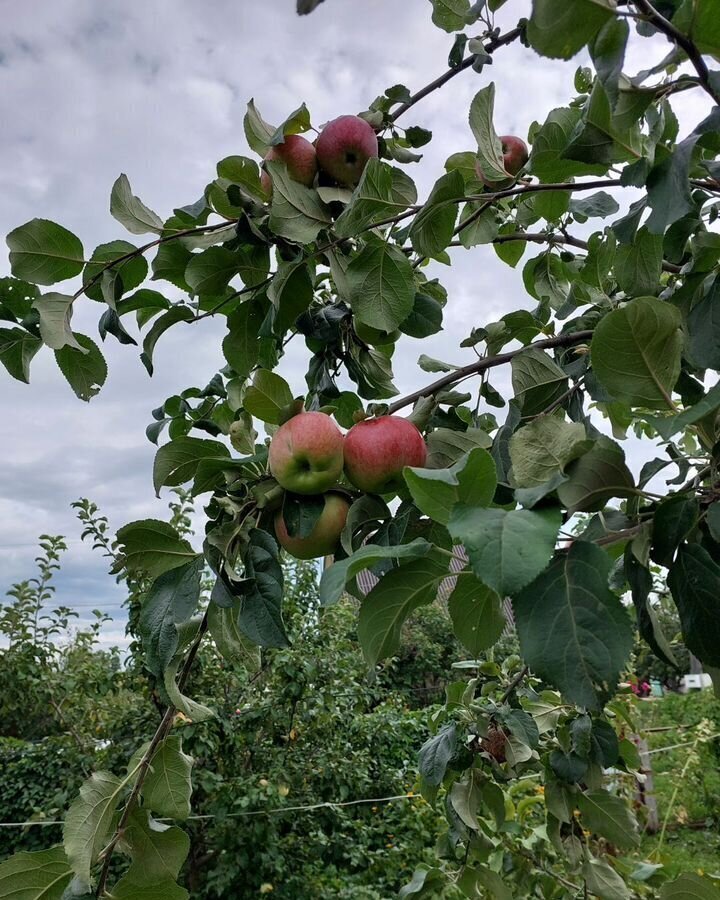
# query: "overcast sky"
[[158, 90]]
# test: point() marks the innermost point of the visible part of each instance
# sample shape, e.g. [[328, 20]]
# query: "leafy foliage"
[[624, 328]]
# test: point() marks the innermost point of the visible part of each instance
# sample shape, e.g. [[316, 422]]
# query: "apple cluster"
[[340, 153], [308, 455]]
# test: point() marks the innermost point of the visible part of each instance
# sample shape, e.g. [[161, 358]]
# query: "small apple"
[[515, 155], [306, 453], [299, 156], [323, 539], [377, 450], [343, 148]]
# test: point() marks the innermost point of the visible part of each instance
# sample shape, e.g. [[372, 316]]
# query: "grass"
[[685, 850]]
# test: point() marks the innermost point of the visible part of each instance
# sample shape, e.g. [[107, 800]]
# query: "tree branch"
[[492, 45], [683, 41], [490, 362], [163, 730]]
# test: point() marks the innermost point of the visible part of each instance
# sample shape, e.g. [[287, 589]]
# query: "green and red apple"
[[344, 147], [306, 453], [514, 154], [325, 535], [377, 450], [299, 156]]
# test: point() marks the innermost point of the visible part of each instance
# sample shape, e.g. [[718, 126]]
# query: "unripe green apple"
[[306, 453], [515, 155], [325, 536], [377, 450], [344, 147], [299, 156]]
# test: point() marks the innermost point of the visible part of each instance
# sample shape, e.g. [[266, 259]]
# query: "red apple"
[[324, 537], [377, 450], [306, 453], [299, 156], [344, 147], [515, 155]]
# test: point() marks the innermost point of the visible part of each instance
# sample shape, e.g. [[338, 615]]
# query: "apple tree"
[[526, 496]]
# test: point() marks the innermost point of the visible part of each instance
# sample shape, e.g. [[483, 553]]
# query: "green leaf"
[[478, 225], [187, 633], [170, 264], [85, 369], [172, 598], [560, 28], [546, 159], [436, 753], [446, 446], [210, 271], [268, 397], [168, 786], [297, 122], [432, 228], [466, 799], [130, 211], [261, 615], [385, 609], [450, 15], [596, 477], [537, 381], [638, 266], [381, 285], [668, 184], [55, 312], [640, 580], [425, 319], [135, 885], [258, 133], [609, 816], [16, 299], [608, 55], [159, 849], [17, 349], [636, 351], [591, 637], [436, 491], [694, 580], [689, 887], [176, 462], [476, 613], [383, 191], [130, 273], [42, 875], [543, 448], [703, 325], [231, 643], [603, 881], [240, 346], [422, 876], [43, 252], [90, 820], [675, 518], [334, 579], [506, 549], [291, 292], [150, 547], [595, 206], [167, 320], [297, 213], [698, 19], [490, 152]]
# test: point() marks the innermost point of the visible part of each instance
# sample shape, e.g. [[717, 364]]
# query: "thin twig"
[[683, 41], [513, 684], [489, 362]]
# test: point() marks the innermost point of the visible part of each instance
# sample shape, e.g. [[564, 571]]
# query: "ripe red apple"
[[515, 155], [306, 453], [324, 537], [377, 450], [299, 156], [344, 147]]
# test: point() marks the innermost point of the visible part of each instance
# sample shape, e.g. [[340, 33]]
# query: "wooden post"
[[646, 789]]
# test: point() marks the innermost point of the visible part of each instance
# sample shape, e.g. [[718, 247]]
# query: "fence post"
[[646, 789]]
